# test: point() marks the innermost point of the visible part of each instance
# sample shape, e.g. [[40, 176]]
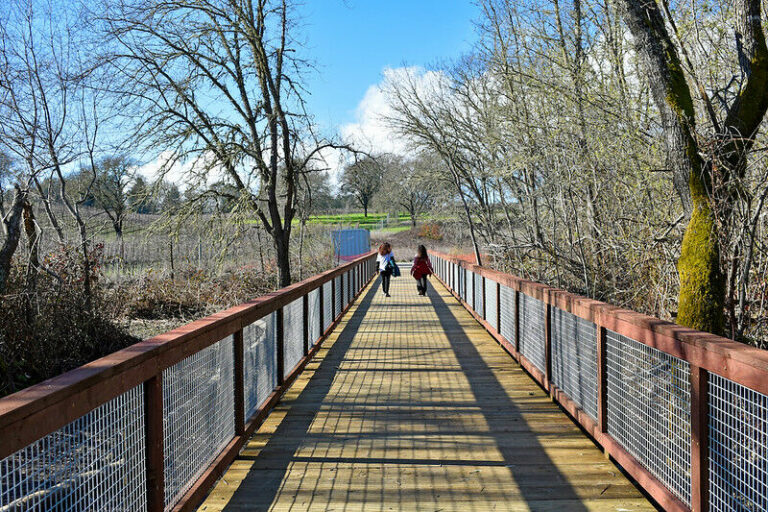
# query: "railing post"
[[699, 439], [322, 308], [602, 379], [498, 308], [153, 439], [280, 344], [333, 299], [485, 302], [237, 343], [517, 322], [548, 347], [305, 323]]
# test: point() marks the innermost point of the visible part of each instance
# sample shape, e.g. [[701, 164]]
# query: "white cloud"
[[184, 173]]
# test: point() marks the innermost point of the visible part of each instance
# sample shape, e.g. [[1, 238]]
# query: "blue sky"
[[353, 41]]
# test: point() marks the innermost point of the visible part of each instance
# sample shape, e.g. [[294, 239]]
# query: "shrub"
[[430, 231]]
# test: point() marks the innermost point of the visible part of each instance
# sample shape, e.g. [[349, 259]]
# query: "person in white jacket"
[[386, 263]]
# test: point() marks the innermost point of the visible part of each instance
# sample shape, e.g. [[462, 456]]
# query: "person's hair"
[[385, 249], [421, 252]]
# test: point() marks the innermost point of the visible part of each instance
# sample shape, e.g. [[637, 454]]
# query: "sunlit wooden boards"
[[411, 405]]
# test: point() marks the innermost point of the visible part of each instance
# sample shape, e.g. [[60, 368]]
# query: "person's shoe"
[[387, 295]]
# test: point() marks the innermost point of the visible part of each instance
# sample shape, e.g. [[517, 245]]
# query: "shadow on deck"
[[411, 405]]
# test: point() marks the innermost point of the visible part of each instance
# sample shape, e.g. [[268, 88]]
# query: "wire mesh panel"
[[327, 306], [198, 415], [293, 334], [738, 447], [477, 288], [649, 409], [469, 283], [508, 313], [259, 362], [338, 298], [574, 359], [343, 280], [314, 322], [491, 303], [96, 462], [532, 331]]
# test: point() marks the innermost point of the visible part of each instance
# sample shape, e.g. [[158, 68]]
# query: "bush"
[[430, 231], [51, 328]]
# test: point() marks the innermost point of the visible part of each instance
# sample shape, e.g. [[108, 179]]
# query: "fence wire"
[[314, 321], [532, 331], [508, 314], [477, 287], [338, 297], [574, 359], [738, 447], [259, 362], [96, 462], [293, 334], [198, 415], [327, 305], [491, 304], [649, 403]]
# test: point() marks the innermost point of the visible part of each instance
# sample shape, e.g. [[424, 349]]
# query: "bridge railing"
[[684, 412], [151, 427]]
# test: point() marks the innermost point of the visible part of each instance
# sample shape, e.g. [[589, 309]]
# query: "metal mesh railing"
[[198, 415], [259, 362], [508, 313], [314, 322], [327, 305], [491, 304], [293, 334], [574, 359], [96, 462], [738, 447], [477, 287], [532, 339], [469, 285], [337, 297], [649, 403]]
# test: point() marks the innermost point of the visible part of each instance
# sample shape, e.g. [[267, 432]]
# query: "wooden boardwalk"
[[411, 405]]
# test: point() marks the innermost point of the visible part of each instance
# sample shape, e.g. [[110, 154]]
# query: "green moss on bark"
[[702, 284]]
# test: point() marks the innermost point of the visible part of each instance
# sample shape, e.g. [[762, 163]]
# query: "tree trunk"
[[12, 228], [283, 254], [702, 284]]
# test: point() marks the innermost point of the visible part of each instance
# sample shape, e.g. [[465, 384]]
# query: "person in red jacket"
[[421, 268]]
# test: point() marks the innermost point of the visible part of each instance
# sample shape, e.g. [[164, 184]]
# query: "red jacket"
[[421, 267]]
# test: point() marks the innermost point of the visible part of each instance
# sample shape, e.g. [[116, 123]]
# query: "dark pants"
[[421, 284], [385, 277]]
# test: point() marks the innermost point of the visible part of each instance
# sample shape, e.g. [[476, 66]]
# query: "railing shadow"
[[484, 383], [284, 442]]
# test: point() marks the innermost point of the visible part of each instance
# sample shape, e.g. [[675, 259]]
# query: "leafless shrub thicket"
[[566, 164]]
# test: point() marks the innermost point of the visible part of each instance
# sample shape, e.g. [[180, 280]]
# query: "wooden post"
[[699, 439], [602, 379], [305, 323], [498, 308], [517, 322], [484, 299], [153, 439], [237, 342], [333, 299], [548, 347], [280, 343], [322, 307]]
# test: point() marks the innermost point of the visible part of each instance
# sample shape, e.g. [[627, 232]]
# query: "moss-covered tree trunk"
[[702, 282]]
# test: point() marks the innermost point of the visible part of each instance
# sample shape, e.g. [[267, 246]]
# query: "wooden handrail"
[[736, 361], [34, 412]]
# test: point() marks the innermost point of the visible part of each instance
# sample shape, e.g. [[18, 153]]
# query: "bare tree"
[[229, 100]]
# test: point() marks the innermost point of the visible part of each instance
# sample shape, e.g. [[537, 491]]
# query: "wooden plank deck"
[[411, 405]]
